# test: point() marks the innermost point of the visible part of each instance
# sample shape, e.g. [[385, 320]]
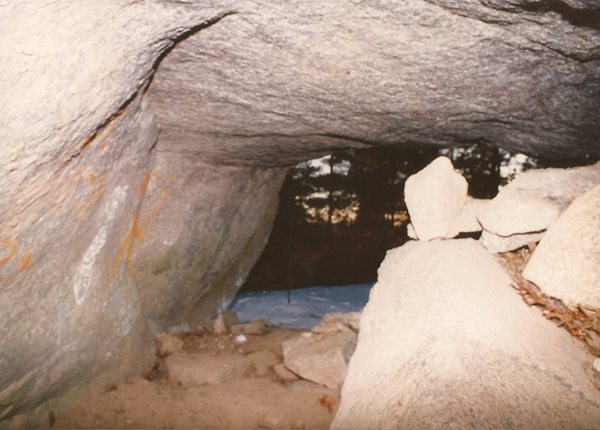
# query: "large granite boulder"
[[566, 264], [90, 206], [527, 206], [195, 247], [117, 115], [445, 342]]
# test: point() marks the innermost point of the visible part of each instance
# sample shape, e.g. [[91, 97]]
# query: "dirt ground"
[[257, 399]]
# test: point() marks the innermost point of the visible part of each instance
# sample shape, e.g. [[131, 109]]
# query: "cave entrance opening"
[[340, 214]]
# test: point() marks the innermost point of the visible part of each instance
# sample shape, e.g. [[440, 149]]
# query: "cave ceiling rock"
[[280, 82]]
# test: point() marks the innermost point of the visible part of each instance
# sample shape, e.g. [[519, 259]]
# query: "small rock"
[[354, 320], [168, 344], [495, 244], [225, 321], [434, 197], [466, 220], [269, 422], [332, 323], [252, 327], [284, 373], [321, 359]]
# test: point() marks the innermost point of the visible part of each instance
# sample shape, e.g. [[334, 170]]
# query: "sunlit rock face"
[[444, 343], [117, 115]]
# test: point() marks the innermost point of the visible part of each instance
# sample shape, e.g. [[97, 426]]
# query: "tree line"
[[338, 217]]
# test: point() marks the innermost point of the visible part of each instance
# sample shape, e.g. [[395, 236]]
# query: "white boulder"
[[434, 197], [495, 244], [445, 342], [557, 186], [466, 221], [566, 264], [515, 212]]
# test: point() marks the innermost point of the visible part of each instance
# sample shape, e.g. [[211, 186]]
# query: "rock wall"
[[87, 204], [117, 115], [197, 247]]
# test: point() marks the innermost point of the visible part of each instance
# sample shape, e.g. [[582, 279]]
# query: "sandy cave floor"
[[259, 399]]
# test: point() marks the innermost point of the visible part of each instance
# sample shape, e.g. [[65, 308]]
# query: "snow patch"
[[307, 305]]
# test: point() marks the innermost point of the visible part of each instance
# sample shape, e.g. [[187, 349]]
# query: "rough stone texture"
[[514, 212], [284, 374], [333, 322], [322, 359], [434, 197], [77, 143], [566, 263], [200, 369], [197, 246], [535, 199], [72, 318], [88, 206], [225, 321], [557, 186], [354, 320], [168, 344], [303, 77], [466, 220], [445, 342], [495, 244], [524, 208]]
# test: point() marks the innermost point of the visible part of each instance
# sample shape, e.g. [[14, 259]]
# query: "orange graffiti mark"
[[13, 249], [143, 187], [24, 262], [124, 247], [137, 228], [153, 214], [85, 207], [66, 188]]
